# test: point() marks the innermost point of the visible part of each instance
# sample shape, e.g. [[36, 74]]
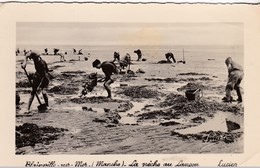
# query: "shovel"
[[41, 107], [184, 62]]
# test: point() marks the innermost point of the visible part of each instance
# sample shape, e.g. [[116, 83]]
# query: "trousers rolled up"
[[234, 79]]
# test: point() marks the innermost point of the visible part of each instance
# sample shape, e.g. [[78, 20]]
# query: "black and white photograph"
[[129, 85], [129, 88]]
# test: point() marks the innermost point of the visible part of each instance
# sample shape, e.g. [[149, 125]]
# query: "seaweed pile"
[[172, 80], [94, 99], [30, 134], [198, 119], [123, 107], [108, 118], [68, 75], [23, 84], [195, 107], [198, 85], [64, 90], [181, 105], [167, 80], [210, 136], [98, 99], [192, 86], [170, 123], [192, 73], [166, 114], [138, 92], [197, 79], [73, 72], [172, 99]]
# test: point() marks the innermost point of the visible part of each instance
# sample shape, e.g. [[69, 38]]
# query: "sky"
[[91, 33]]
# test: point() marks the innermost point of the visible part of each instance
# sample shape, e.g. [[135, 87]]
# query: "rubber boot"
[[239, 95], [228, 96], [45, 97]]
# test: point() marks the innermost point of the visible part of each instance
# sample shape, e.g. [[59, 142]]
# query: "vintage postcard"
[[129, 85]]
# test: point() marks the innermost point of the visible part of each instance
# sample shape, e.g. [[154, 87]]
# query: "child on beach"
[[40, 79], [108, 68], [235, 76]]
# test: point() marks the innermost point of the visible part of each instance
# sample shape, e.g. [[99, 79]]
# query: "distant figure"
[[74, 51], [55, 50], [116, 56], [17, 51], [108, 68], [235, 76], [122, 63], [126, 61], [80, 52], [127, 57], [24, 52], [170, 56], [139, 54], [46, 51], [40, 79], [61, 54]]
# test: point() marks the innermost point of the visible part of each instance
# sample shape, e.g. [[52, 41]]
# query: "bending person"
[[108, 68], [139, 54], [40, 78], [170, 56], [235, 76]]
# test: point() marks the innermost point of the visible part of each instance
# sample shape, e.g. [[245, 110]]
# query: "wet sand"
[[148, 112]]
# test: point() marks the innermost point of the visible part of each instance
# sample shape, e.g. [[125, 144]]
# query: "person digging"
[[108, 68], [40, 79], [235, 76], [170, 56]]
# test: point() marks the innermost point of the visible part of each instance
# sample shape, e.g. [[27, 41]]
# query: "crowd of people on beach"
[[41, 79]]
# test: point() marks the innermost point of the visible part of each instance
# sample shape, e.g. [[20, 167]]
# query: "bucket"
[[193, 94]]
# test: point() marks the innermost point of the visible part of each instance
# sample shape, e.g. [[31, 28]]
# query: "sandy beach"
[[148, 113]]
